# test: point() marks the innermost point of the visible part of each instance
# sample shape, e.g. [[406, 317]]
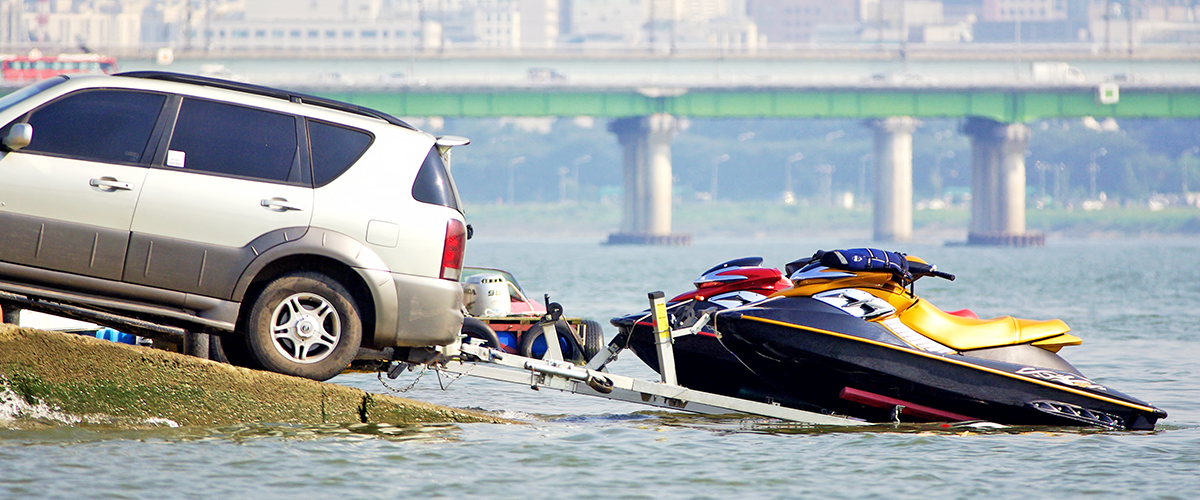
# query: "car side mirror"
[[19, 136]]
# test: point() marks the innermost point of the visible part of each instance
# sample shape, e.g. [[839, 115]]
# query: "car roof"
[[266, 92]]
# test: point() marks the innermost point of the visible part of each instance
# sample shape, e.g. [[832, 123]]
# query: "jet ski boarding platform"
[[593, 380]]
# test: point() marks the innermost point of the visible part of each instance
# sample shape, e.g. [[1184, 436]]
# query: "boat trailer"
[[593, 379]]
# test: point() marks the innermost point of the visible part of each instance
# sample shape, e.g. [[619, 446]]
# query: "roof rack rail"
[[267, 92]]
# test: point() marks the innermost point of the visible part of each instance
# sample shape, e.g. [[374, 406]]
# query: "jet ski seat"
[[964, 334]]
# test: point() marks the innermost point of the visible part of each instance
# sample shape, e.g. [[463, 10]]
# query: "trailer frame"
[[593, 379]]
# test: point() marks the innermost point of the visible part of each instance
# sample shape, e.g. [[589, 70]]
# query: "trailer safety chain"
[[446, 386], [379, 375]]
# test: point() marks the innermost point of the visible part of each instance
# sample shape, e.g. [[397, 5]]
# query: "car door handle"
[[280, 204], [110, 184]]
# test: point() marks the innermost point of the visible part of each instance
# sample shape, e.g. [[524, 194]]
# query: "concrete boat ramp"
[[97, 381]]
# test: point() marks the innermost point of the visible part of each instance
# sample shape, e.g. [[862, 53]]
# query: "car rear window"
[[434, 184], [235, 140], [334, 149], [108, 125]]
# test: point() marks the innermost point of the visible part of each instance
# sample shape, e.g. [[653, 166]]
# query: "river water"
[[1134, 302]]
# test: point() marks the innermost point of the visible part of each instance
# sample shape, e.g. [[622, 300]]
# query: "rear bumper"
[[414, 311]]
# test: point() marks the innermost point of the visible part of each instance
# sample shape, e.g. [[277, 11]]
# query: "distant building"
[[797, 21], [316, 26], [1025, 10], [539, 24], [912, 20], [70, 26], [661, 25], [614, 23], [483, 25]]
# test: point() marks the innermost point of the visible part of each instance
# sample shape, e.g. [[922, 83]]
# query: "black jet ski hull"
[[818, 354], [701, 362]]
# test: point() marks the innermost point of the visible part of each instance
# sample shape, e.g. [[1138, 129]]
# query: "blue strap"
[[866, 259]]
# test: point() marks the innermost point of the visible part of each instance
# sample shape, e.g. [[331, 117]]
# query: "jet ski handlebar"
[[918, 269]]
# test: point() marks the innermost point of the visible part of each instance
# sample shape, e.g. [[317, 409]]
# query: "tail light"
[[454, 250]]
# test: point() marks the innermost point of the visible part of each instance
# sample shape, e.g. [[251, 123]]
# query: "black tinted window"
[[433, 184], [334, 149], [235, 140], [111, 126]]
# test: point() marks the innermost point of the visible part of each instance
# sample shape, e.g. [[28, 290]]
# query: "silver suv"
[[295, 228]]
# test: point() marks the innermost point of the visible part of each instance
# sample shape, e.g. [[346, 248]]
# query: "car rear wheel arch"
[[339, 271]]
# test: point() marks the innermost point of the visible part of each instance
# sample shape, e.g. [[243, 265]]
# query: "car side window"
[[334, 149], [235, 140], [107, 125], [434, 184]]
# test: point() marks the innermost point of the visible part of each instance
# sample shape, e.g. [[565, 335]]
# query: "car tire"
[[593, 339], [304, 324]]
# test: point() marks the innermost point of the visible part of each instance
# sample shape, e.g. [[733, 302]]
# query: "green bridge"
[[1014, 104], [644, 120]]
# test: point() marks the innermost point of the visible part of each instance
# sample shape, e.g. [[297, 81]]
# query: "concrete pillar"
[[1011, 180], [661, 129], [893, 178], [998, 183], [646, 145], [983, 155], [631, 135]]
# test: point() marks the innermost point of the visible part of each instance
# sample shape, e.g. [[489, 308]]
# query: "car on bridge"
[[295, 229]]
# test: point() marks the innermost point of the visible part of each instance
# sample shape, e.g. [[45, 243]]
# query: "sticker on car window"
[[175, 158]]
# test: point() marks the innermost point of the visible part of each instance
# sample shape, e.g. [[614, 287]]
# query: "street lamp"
[[1093, 168], [562, 184], [717, 160], [1041, 168], [1059, 175], [862, 175], [826, 171], [1184, 161], [936, 177], [512, 188], [575, 177], [789, 196]]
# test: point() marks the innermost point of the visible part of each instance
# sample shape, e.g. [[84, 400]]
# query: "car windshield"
[[24, 93]]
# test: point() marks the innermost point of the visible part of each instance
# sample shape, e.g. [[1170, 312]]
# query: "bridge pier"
[[998, 184], [646, 210], [893, 177]]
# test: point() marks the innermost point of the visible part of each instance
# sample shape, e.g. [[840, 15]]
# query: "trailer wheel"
[[477, 329], [593, 339], [533, 341], [304, 324]]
